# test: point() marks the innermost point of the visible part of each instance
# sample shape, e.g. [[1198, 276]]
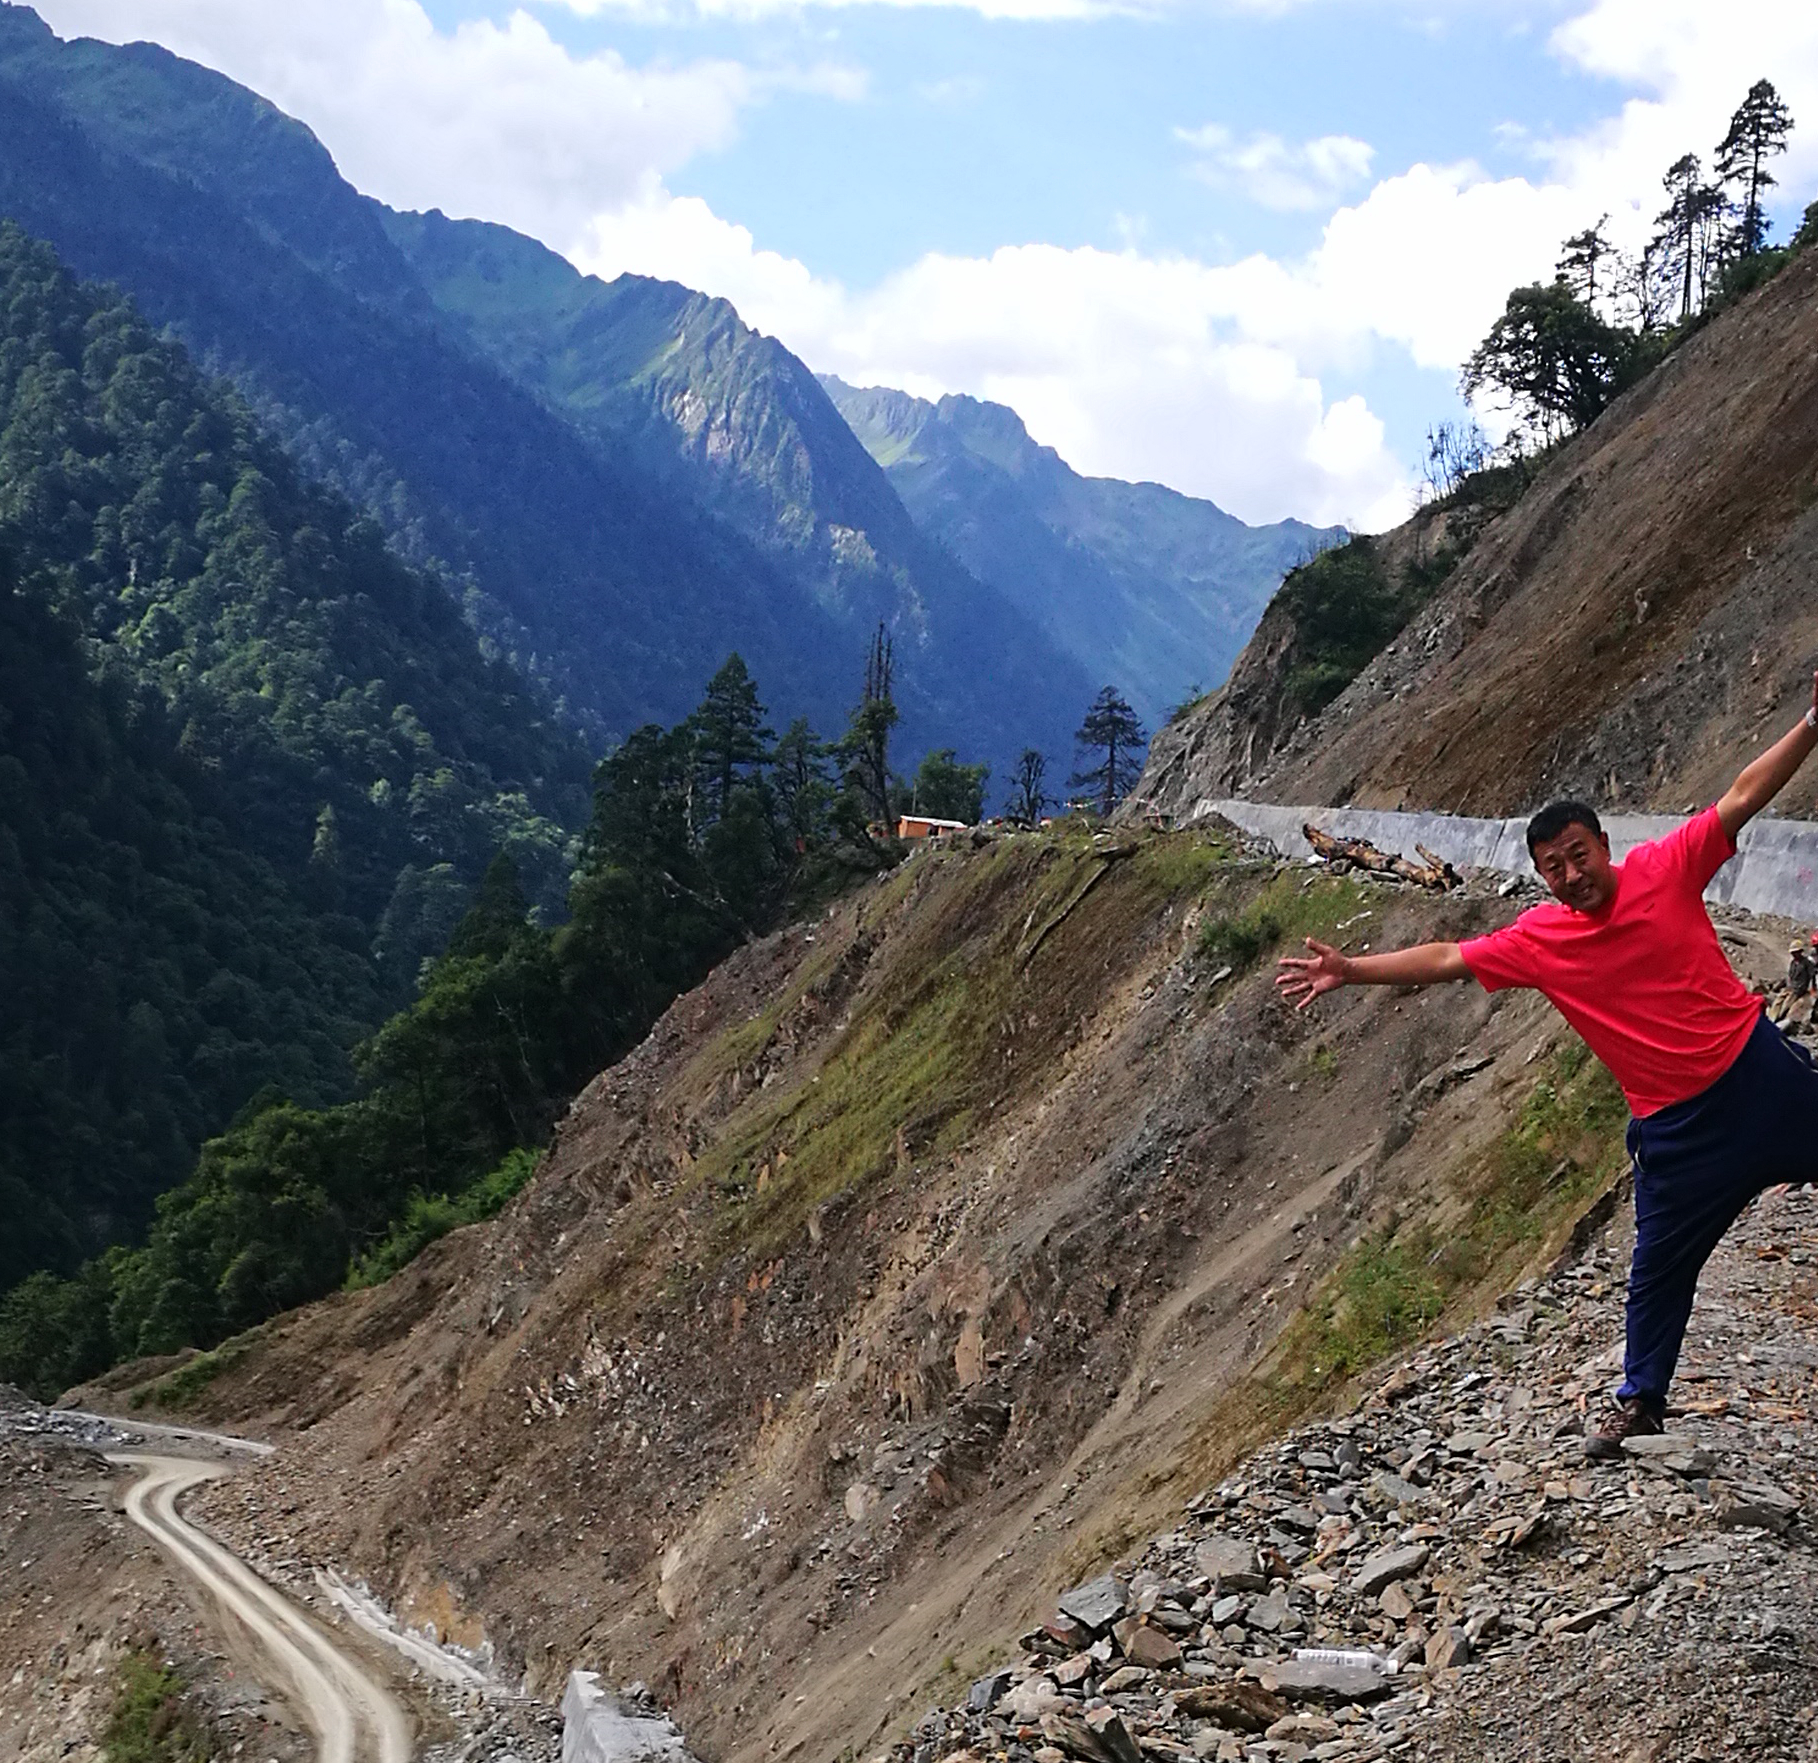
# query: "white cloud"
[[746, 10], [953, 93], [488, 119], [1277, 173], [1132, 362], [1693, 64]]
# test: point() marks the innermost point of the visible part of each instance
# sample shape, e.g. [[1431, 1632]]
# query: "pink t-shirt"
[[1645, 981]]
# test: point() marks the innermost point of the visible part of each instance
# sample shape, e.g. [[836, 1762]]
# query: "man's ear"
[[1603, 839]]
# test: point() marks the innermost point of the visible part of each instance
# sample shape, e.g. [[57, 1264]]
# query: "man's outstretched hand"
[[1302, 978]]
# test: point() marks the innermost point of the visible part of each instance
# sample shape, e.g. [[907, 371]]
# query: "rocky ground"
[[1484, 1591]]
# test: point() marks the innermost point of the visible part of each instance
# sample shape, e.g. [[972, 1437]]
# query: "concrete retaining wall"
[[1775, 868], [597, 1728]]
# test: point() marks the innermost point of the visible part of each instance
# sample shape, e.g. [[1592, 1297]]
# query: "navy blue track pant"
[[1697, 1165]]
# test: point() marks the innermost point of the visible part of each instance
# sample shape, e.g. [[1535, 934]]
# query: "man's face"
[[1576, 868]]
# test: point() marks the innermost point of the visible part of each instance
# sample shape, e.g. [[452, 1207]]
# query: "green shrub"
[[1239, 941], [1346, 606], [151, 1721], [428, 1216]]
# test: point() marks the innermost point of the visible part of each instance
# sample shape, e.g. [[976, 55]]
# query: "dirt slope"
[[917, 1262], [1632, 630], [1659, 1609]]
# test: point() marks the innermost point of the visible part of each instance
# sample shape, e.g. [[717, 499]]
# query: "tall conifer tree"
[[1112, 731], [1758, 132]]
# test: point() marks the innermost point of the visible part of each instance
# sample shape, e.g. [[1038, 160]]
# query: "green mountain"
[[731, 421], [1136, 582], [606, 550], [250, 766]]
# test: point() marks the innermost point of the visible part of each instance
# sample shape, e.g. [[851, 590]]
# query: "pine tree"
[[730, 738], [946, 790], [498, 912], [1758, 131], [798, 777], [1688, 236], [1581, 256], [1111, 728], [865, 748]]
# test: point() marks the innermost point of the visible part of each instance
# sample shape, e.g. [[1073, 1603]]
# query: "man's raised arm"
[[1762, 779], [1302, 978]]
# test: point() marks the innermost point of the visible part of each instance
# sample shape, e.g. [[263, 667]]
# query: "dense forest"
[[701, 834], [258, 788], [251, 767]]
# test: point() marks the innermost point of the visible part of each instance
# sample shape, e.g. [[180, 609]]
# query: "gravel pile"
[[1440, 1573]]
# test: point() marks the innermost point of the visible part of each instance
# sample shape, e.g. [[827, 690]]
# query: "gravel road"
[[355, 1719]]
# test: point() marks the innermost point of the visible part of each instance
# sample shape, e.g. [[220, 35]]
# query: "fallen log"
[[1434, 872]]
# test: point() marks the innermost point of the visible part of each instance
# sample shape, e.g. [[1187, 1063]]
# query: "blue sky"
[[976, 132], [1240, 246]]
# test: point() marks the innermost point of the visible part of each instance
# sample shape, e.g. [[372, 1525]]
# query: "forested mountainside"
[[253, 766], [618, 561], [1629, 627], [1136, 581]]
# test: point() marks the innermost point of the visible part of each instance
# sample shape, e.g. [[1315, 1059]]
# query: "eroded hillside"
[[918, 1260], [1631, 630]]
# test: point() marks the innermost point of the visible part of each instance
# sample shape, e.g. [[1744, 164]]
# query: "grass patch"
[[892, 1090], [151, 1720], [429, 1216], [1497, 1211], [1181, 863], [1238, 941], [1288, 909], [972, 1000], [175, 1390]]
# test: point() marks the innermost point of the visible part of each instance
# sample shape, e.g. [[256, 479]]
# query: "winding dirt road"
[[355, 1719]]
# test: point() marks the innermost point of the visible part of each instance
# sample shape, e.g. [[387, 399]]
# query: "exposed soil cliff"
[[918, 1262], [1631, 630]]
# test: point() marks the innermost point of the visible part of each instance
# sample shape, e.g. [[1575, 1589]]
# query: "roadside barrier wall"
[[1775, 868]]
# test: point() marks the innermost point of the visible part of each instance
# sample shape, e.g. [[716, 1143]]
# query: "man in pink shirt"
[[1722, 1102]]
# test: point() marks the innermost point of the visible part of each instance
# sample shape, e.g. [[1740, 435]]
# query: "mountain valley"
[[1155, 588], [694, 489], [663, 1226]]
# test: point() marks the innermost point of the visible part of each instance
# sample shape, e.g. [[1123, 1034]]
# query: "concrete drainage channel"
[[1775, 868], [600, 1727]]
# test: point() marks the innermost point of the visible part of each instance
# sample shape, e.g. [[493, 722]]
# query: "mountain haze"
[[1138, 583]]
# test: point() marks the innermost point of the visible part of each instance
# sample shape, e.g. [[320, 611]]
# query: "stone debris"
[[1439, 1573], [1095, 1604]]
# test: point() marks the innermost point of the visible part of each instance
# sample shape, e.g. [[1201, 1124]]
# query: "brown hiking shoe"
[[1633, 1417]]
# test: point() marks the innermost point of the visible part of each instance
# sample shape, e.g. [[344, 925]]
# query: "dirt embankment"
[[1633, 630], [917, 1262]]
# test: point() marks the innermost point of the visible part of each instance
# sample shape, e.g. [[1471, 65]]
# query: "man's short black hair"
[[1553, 819]]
